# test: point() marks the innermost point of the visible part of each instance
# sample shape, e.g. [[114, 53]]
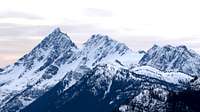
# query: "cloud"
[[97, 12], [13, 49], [17, 45], [8, 30], [14, 14]]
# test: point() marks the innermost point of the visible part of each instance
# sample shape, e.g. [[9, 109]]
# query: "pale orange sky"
[[137, 23]]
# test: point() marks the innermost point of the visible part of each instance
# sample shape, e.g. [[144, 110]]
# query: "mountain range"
[[102, 76]]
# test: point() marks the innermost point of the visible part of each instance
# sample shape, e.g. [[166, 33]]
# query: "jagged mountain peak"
[[98, 41], [169, 47], [170, 58], [182, 47], [181, 50], [101, 48], [100, 37], [155, 46], [57, 38], [56, 30], [48, 50], [57, 33]]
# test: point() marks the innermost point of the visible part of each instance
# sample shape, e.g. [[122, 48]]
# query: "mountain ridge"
[[169, 58], [46, 64], [56, 66]]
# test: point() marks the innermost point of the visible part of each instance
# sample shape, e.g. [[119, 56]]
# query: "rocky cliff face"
[[169, 58]]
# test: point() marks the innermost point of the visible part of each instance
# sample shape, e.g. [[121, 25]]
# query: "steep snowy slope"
[[29, 69], [105, 50], [169, 58], [171, 77], [40, 57], [52, 61], [104, 88]]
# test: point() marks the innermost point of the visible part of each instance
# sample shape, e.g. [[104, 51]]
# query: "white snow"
[[123, 108], [171, 77], [108, 90]]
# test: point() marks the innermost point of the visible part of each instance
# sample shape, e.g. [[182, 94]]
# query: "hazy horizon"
[[138, 24]]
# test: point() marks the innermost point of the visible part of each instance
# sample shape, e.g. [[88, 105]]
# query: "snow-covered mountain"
[[101, 75], [51, 60], [169, 58], [170, 77], [105, 87], [33, 69]]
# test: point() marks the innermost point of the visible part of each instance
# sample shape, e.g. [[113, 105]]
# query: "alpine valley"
[[102, 76]]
